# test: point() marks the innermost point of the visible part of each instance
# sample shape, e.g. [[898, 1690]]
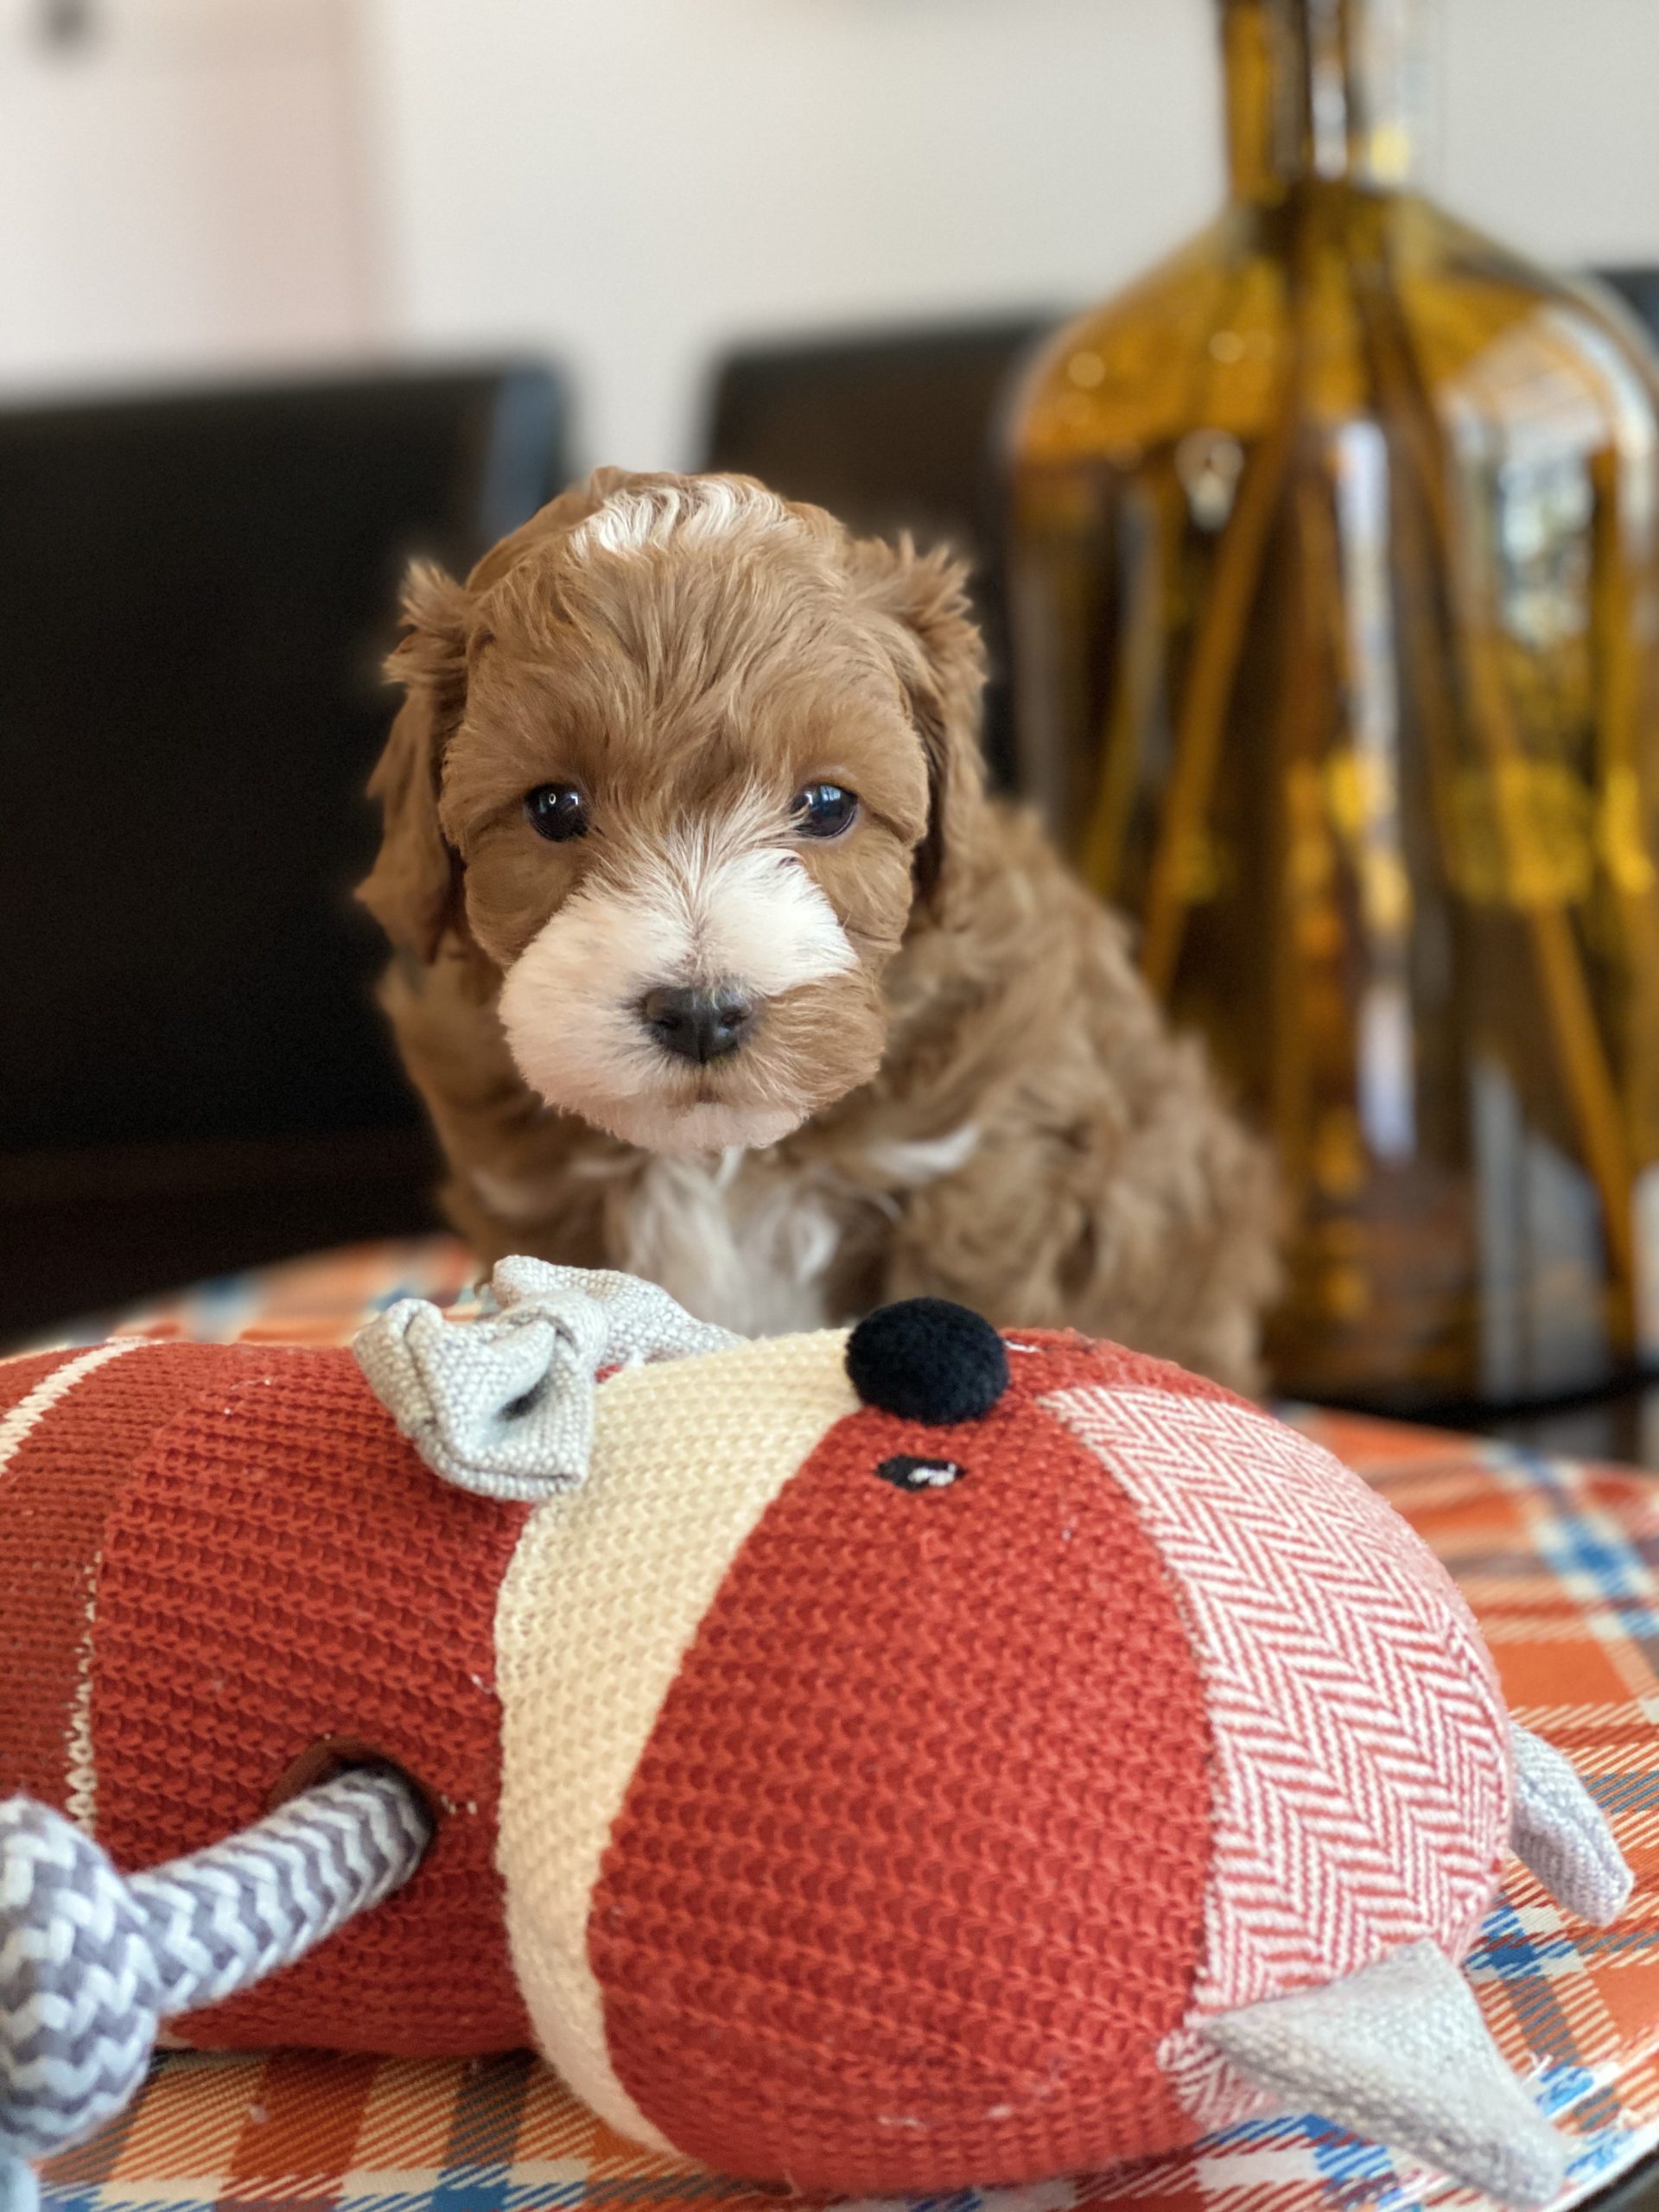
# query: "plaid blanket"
[[1559, 1561]]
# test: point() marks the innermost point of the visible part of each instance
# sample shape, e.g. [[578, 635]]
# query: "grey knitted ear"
[[503, 1404], [1399, 2052], [641, 1321], [1560, 1835]]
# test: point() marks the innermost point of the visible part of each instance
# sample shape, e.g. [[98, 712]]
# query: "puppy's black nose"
[[699, 1026], [925, 1359]]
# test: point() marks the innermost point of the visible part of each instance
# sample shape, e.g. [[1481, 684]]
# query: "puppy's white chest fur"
[[748, 1248]]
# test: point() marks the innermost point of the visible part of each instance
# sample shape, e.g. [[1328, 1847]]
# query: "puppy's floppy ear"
[[412, 890], [941, 661]]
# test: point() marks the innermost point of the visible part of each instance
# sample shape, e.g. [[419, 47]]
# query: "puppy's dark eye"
[[823, 811], [557, 811]]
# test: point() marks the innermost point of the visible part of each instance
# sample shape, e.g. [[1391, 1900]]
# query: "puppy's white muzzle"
[[718, 915]]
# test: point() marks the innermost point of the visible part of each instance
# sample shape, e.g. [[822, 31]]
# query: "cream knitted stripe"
[[20, 1423], [81, 1773], [604, 1596], [29, 1412]]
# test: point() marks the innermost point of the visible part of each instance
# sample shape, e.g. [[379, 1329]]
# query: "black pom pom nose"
[[925, 1359]]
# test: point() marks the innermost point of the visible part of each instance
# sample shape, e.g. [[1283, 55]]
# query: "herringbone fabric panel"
[[1362, 1799]]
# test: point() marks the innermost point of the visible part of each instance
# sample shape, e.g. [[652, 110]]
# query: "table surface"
[[1558, 1557], [1621, 1424]]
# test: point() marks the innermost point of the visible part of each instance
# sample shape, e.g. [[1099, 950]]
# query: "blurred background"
[[630, 187], [290, 288]]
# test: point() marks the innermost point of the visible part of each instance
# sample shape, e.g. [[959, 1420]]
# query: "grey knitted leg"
[[225, 1917], [91, 1962], [1560, 1835]]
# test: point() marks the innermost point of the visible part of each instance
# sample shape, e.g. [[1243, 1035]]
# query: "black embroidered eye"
[[905, 1472], [557, 811], [823, 811]]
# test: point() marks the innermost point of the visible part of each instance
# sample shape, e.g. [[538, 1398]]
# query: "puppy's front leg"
[[1153, 1228]]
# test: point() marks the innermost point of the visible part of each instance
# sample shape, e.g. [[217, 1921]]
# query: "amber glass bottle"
[[1336, 624]]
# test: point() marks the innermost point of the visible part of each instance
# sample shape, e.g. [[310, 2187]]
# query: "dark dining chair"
[[890, 430], [196, 592]]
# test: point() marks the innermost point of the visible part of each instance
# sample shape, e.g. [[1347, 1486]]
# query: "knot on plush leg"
[[92, 1961]]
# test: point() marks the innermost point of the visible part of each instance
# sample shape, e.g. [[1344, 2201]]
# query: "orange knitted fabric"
[[1068, 1359], [281, 1568], [909, 1881], [70, 1450], [19, 1377]]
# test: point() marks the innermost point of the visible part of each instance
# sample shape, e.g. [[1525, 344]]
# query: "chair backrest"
[[891, 431], [196, 591], [1638, 287]]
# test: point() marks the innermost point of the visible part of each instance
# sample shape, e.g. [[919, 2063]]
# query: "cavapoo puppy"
[[716, 962]]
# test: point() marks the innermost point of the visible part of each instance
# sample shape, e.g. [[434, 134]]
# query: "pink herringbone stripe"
[[1362, 1792]]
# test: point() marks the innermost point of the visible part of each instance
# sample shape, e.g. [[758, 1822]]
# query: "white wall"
[[1548, 130], [180, 190], [632, 182]]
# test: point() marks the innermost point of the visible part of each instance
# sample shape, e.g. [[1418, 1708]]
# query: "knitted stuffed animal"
[[887, 1764]]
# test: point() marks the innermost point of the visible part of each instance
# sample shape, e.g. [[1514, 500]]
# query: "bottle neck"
[[1326, 91]]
